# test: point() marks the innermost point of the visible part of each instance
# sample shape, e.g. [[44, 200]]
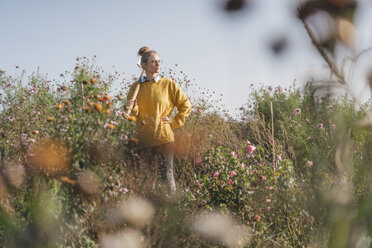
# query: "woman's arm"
[[182, 102]]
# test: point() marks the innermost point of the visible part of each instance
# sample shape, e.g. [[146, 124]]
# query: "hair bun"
[[143, 50]]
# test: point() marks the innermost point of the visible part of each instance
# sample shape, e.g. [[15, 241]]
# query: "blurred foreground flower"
[[88, 182], [130, 238], [221, 228], [49, 156], [138, 211], [2, 187], [15, 175]]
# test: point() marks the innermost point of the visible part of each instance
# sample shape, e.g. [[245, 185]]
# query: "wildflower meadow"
[[291, 171]]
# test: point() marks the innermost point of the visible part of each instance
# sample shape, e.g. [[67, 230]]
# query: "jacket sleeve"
[[182, 103], [135, 109]]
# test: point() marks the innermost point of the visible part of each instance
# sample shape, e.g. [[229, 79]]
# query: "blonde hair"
[[145, 53]]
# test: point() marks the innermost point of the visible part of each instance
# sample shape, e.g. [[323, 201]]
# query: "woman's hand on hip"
[[165, 119]]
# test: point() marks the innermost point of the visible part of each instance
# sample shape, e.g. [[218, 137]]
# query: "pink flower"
[[234, 154], [257, 217], [268, 200], [320, 125], [220, 143], [233, 173], [197, 182], [124, 190], [268, 209], [248, 142], [279, 158], [254, 171], [231, 181], [212, 149], [198, 161], [216, 174], [309, 138], [251, 148], [242, 165], [310, 163], [263, 178], [297, 111]]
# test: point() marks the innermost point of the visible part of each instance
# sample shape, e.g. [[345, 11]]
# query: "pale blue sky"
[[222, 52]]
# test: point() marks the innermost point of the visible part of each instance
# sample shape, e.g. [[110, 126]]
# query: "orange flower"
[[86, 108], [107, 97], [60, 106], [119, 97], [134, 140], [108, 111], [98, 107], [67, 102], [109, 105], [111, 126], [64, 88], [67, 180], [129, 117], [101, 99], [51, 119], [35, 132], [93, 80]]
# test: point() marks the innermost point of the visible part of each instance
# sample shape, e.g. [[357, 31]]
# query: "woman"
[[153, 107]]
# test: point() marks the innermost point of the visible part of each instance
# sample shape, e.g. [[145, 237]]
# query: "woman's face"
[[152, 65]]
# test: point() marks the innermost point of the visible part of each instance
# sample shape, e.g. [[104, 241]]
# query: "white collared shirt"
[[144, 79]]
